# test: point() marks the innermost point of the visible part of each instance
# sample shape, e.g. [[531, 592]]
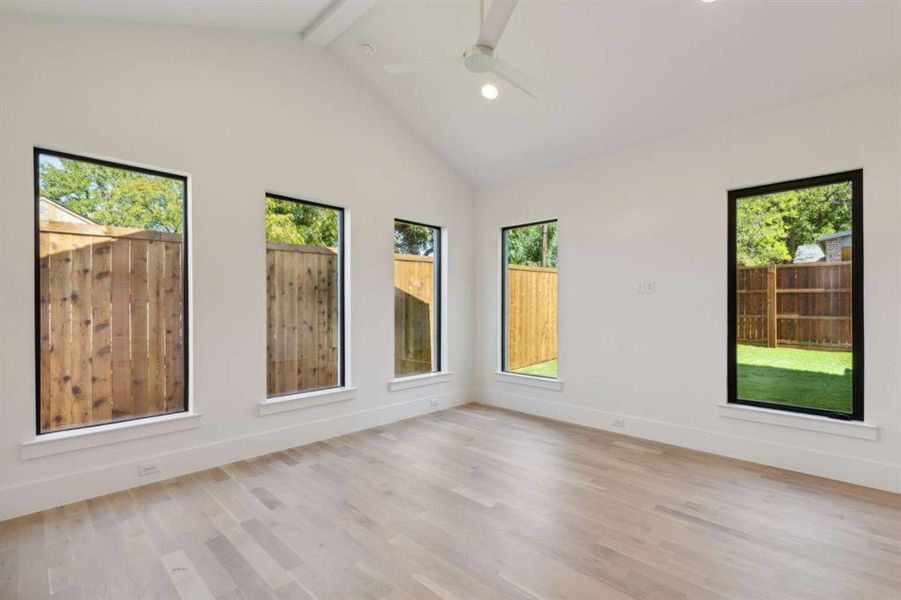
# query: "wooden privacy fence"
[[806, 305], [302, 297], [531, 316], [302, 318], [111, 330], [414, 323]]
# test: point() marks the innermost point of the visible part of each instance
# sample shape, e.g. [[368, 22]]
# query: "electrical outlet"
[[434, 402], [148, 469], [639, 286], [620, 423]]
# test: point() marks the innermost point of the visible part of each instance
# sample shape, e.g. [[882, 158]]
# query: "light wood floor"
[[467, 503]]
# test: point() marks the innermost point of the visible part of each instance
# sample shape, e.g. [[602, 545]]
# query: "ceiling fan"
[[482, 57]]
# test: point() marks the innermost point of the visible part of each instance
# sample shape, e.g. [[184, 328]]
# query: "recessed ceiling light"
[[708, 1], [489, 91]]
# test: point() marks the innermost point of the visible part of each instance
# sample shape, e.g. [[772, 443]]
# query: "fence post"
[[771, 306]]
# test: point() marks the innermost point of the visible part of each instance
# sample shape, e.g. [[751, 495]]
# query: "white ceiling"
[[263, 15], [612, 72]]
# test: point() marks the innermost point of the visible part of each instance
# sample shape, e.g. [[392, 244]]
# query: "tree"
[[289, 222], [770, 228], [534, 245], [414, 239], [813, 212], [113, 196], [760, 233]]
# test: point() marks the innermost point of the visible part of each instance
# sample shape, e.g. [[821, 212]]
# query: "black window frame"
[[857, 292], [342, 269], [504, 328], [437, 292], [186, 333]]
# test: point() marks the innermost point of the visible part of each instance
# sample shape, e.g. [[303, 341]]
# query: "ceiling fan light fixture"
[[479, 59], [489, 91]]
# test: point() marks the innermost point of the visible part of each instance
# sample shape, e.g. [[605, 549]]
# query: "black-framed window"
[[795, 330], [305, 257], [417, 298], [529, 299], [111, 273]]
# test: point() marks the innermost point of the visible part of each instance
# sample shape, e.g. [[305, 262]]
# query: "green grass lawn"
[[545, 369], [809, 378]]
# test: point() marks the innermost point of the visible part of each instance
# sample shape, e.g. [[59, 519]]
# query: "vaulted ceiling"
[[614, 73], [611, 73]]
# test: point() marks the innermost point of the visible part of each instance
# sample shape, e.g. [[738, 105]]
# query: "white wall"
[[658, 211], [240, 113]]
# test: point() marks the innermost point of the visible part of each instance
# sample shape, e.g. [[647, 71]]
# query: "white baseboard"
[[40, 495], [874, 474]]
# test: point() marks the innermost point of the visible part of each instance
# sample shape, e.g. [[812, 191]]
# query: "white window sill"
[[415, 381], [281, 404], [544, 383], [101, 435], [769, 416]]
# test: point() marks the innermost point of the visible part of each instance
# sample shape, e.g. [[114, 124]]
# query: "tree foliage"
[[414, 239], [123, 198], [760, 233], [111, 196], [289, 222], [770, 228], [525, 245]]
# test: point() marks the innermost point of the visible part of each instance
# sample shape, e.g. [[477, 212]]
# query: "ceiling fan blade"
[[422, 64], [495, 22], [516, 78]]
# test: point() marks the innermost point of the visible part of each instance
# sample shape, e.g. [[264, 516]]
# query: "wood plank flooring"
[[471, 502]]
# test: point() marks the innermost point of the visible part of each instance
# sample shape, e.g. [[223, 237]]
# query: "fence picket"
[[61, 400], [270, 322], [174, 326], [101, 356], [139, 329], [122, 405], [156, 335], [45, 301]]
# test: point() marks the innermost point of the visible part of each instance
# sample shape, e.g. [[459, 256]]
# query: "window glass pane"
[[111, 254], [303, 296], [794, 253], [417, 295], [530, 299]]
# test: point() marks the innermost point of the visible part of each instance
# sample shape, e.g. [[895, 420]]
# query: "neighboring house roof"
[[832, 236], [50, 210], [808, 253]]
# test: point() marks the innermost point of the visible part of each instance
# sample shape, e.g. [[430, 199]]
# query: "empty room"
[[450, 299]]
